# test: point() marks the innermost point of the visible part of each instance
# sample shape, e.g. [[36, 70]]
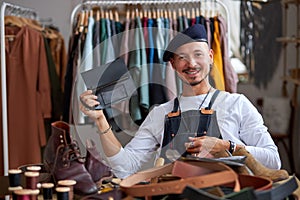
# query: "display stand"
[[291, 72], [20, 11]]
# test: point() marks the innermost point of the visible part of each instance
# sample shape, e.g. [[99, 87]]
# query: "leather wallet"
[[111, 82]]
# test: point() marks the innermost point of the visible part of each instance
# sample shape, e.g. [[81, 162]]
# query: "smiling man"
[[215, 122]]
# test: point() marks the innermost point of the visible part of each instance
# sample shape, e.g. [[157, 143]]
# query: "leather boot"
[[94, 164], [63, 160], [260, 170]]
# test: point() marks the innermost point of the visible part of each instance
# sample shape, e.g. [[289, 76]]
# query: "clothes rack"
[[208, 3], [79, 24], [20, 11]]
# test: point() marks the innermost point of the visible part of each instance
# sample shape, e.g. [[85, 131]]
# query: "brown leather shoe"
[[94, 164], [63, 160]]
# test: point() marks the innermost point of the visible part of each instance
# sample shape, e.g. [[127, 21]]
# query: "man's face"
[[192, 62]]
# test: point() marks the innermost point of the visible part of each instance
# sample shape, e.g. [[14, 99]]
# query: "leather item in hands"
[[112, 83]]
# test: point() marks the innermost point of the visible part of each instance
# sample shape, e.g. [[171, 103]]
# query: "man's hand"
[[205, 146], [87, 102]]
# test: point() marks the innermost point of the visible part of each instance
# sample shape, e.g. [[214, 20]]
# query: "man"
[[239, 126]]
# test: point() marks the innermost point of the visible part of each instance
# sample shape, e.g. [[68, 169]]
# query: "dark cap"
[[195, 33]]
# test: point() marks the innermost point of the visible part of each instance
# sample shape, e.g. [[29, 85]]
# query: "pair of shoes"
[[63, 160]]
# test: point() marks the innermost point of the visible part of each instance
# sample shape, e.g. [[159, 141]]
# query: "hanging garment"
[[124, 49], [28, 96], [170, 76], [157, 86], [103, 37], [69, 78], [217, 71], [110, 53], [230, 76], [85, 63], [96, 43], [56, 91], [59, 55], [266, 62]]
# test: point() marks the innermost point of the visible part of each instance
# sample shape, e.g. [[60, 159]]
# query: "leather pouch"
[[112, 83]]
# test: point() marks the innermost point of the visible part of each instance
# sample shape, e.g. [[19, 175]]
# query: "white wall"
[[59, 11]]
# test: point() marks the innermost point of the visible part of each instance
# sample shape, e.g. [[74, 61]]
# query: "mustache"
[[190, 68]]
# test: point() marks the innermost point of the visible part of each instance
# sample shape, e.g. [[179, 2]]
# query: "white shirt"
[[238, 121]]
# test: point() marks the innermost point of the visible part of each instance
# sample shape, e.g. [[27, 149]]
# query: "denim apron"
[[181, 125]]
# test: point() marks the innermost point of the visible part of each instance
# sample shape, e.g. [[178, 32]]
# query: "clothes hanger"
[[184, 13], [127, 14], [102, 13], [174, 14], [49, 33], [141, 14], [169, 13], [154, 14], [13, 21], [179, 12], [80, 26], [33, 24], [166, 14], [97, 14], [145, 13], [22, 21], [86, 21], [137, 13], [132, 14], [106, 14], [116, 15], [157, 13], [91, 13], [149, 14], [193, 13], [198, 12]]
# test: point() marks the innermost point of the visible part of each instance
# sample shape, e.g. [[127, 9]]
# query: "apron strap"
[[213, 98], [176, 105]]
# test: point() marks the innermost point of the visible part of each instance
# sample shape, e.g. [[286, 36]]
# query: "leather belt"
[[195, 173]]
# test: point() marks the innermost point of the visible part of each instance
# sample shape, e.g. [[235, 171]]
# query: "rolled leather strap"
[[195, 173]]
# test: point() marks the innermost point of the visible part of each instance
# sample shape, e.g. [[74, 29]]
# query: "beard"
[[195, 82]]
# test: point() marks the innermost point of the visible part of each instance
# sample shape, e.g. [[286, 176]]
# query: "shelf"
[[292, 80], [291, 2], [288, 40]]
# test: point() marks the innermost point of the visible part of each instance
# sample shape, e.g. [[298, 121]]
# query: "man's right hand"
[[87, 102]]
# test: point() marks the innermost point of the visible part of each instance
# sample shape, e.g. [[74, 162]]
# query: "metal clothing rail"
[[146, 2], [19, 11]]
